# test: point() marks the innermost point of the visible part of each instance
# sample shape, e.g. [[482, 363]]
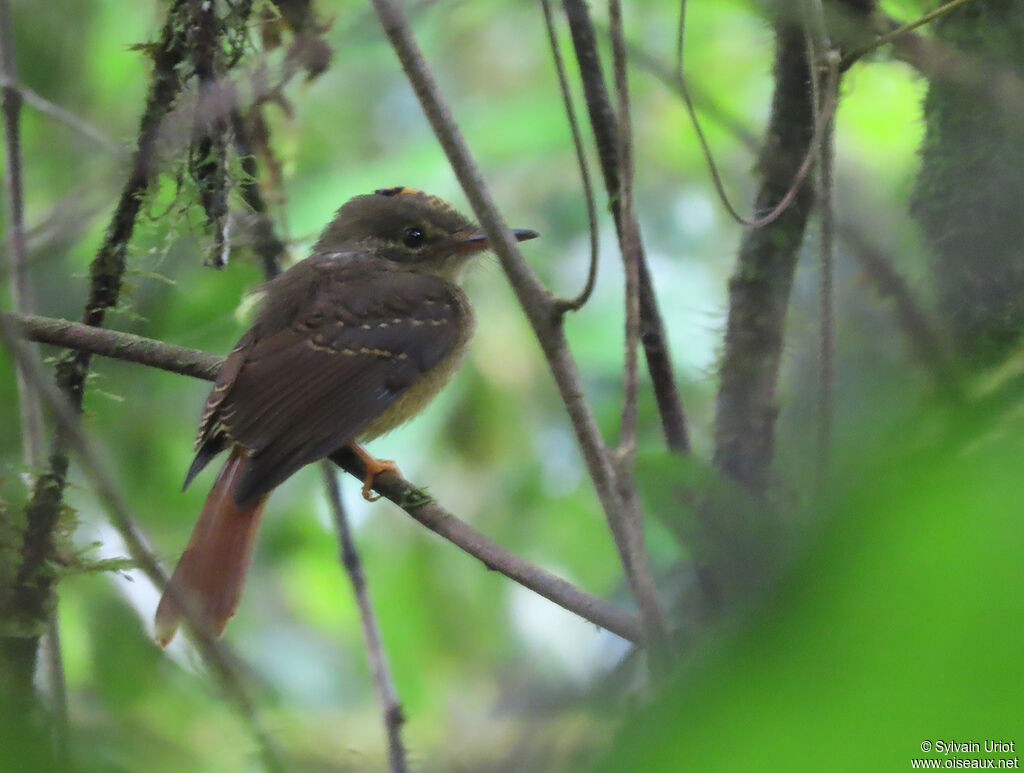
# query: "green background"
[[897, 616]]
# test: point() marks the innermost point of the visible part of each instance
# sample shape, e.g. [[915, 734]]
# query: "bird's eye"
[[412, 237]]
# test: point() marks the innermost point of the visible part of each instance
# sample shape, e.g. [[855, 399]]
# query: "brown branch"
[[533, 297], [58, 113], [652, 327], [898, 32], [823, 112], [414, 501], [577, 303], [119, 346], [632, 256], [629, 239], [759, 288], [418, 503], [382, 679]]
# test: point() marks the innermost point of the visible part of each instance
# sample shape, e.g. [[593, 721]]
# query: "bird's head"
[[408, 227]]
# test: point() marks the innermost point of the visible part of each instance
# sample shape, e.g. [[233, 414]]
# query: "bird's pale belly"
[[418, 396]]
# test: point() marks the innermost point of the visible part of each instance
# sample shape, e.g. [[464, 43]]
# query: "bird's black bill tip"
[[479, 241]]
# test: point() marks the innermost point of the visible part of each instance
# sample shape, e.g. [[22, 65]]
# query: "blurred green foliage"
[[899, 619], [902, 623]]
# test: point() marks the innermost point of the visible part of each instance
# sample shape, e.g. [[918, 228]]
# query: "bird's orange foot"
[[374, 467]]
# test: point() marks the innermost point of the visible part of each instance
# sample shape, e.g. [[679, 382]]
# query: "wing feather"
[[338, 343]]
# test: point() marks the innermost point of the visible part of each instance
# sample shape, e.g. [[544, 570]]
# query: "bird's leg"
[[374, 467]]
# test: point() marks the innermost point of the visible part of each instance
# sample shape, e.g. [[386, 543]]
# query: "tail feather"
[[211, 573]]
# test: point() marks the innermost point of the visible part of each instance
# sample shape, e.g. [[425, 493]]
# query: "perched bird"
[[348, 344]]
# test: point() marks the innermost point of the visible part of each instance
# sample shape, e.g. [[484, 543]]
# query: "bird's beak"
[[478, 241]]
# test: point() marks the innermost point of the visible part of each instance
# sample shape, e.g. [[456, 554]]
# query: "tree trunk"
[[971, 185]]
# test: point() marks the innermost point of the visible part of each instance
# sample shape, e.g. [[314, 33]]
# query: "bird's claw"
[[375, 467]]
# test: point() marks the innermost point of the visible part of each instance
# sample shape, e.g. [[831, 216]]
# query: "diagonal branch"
[[629, 239], [898, 32], [58, 113], [603, 122], [418, 504], [414, 501], [632, 256], [533, 297], [577, 303]]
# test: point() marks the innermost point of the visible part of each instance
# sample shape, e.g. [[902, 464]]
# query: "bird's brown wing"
[[336, 344]]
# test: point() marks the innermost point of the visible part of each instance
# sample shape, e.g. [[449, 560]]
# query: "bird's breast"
[[419, 394]]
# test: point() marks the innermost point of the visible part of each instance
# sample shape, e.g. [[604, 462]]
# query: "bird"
[[347, 345]]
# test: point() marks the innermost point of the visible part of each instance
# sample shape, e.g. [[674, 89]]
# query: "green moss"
[[971, 183]]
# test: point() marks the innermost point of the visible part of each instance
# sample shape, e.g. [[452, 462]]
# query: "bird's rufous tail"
[[211, 573]]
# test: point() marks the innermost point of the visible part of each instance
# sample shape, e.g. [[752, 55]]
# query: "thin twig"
[[652, 327], [383, 681], [629, 246], [925, 342], [851, 57], [702, 99], [414, 501], [65, 116], [266, 243], [534, 298], [681, 38], [28, 400], [787, 199], [90, 458], [939, 60], [628, 242], [577, 303]]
